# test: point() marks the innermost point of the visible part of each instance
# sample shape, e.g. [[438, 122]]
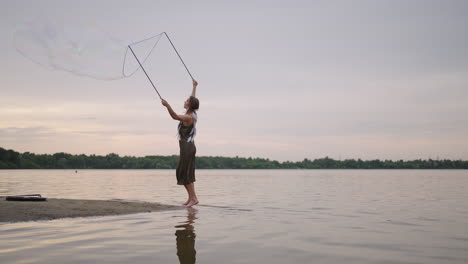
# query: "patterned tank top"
[[187, 133]]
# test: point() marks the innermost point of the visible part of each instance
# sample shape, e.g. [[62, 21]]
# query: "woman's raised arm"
[[184, 118], [195, 83]]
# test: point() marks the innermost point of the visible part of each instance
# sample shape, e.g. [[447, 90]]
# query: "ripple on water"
[[401, 223]]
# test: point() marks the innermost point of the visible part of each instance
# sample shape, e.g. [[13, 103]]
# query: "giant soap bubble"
[[81, 49]]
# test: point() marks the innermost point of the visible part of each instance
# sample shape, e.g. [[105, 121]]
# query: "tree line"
[[10, 159]]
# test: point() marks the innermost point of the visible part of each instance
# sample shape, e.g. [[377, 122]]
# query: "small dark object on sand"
[[29, 198]]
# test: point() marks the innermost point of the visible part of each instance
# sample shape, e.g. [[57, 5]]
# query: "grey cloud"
[[115, 132], [26, 133]]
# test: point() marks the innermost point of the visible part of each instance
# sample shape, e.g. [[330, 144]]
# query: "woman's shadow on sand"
[[185, 238]]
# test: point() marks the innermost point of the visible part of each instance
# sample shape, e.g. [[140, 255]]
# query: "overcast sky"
[[284, 80]]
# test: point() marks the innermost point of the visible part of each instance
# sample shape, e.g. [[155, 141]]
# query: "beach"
[[17, 211]]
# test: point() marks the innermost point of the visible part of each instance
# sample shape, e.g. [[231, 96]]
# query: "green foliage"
[[10, 159]]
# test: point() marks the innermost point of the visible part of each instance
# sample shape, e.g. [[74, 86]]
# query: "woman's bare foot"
[[186, 202], [192, 203]]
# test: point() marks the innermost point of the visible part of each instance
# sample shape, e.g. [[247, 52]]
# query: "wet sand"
[[16, 211]]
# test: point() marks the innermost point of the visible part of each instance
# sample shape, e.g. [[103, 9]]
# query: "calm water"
[[248, 216]]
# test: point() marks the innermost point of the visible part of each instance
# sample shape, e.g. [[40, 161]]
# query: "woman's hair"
[[193, 103]]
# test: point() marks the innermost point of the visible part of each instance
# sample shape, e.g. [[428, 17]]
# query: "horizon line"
[[237, 156]]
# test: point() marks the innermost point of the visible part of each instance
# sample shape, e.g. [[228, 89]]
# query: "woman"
[[186, 169]]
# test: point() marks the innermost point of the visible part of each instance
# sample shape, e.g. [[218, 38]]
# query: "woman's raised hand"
[[195, 83], [164, 102]]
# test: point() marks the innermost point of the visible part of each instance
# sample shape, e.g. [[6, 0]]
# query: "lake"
[[248, 216]]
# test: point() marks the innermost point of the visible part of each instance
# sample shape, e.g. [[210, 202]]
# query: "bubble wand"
[[129, 46], [178, 55]]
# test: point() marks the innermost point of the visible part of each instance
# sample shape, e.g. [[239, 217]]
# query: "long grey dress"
[[186, 169]]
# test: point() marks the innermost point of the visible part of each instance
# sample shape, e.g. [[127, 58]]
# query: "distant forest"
[[10, 159]]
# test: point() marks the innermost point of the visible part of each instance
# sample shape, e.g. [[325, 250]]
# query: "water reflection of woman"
[[185, 240]]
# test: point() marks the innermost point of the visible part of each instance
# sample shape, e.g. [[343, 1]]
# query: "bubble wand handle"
[[144, 71], [179, 56]]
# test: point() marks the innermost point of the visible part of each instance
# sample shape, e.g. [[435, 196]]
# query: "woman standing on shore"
[[186, 169]]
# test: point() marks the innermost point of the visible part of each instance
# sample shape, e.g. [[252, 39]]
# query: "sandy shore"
[[15, 211]]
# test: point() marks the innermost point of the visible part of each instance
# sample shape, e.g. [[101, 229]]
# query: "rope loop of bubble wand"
[[129, 46]]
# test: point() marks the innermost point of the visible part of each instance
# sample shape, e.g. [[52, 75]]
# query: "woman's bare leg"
[[188, 193], [193, 200]]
